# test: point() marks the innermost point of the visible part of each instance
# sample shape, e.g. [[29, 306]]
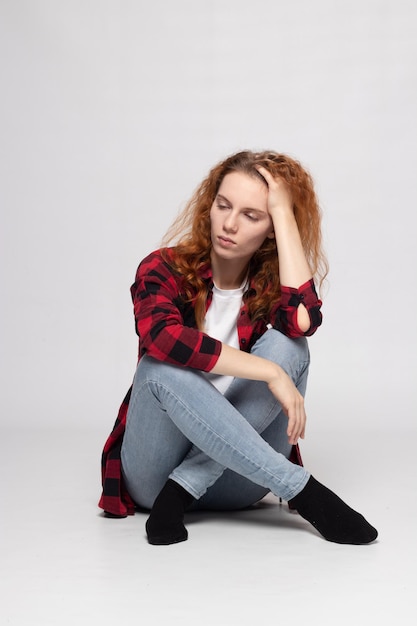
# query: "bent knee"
[[168, 374], [277, 347]]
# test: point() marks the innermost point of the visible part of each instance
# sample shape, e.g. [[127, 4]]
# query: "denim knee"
[[150, 369], [292, 354]]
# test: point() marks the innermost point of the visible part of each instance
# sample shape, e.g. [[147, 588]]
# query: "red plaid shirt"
[[167, 331]]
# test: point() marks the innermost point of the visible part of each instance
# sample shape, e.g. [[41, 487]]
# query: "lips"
[[226, 241]]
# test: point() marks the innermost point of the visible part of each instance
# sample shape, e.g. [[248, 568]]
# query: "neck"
[[228, 274]]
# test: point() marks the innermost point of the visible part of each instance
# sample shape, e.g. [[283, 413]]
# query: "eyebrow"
[[248, 208]]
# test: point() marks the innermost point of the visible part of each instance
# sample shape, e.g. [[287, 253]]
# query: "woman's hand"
[[292, 402], [279, 194], [294, 269], [235, 362]]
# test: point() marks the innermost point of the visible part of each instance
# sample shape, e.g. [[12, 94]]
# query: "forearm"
[[293, 266], [294, 269], [234, 362]]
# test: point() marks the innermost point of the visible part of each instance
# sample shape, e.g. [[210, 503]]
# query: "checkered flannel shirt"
[[165, 324]]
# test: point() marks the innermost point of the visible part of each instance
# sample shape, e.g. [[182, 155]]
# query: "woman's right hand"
[[292, 402]]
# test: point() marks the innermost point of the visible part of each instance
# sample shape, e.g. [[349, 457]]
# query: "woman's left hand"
[[292, 402], [279, 194]]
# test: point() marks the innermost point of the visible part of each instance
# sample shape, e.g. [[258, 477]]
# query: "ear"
[[271, 235]]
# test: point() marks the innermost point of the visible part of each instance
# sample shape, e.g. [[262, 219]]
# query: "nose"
[[230, 223]]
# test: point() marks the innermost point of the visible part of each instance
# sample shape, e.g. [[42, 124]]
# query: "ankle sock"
[[165, 523], [334, 519]]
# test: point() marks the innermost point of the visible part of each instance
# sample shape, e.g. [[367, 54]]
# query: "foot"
[[334, 519], [165, 524]]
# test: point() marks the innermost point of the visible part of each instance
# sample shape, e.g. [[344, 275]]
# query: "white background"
[[113, 111]]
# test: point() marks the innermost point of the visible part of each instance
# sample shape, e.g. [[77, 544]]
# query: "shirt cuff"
[[305, 294]]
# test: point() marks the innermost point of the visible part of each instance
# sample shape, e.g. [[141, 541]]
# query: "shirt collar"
[[206, 274]]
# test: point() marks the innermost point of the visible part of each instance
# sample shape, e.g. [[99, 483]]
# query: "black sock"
[[334, 519], [165, 523]]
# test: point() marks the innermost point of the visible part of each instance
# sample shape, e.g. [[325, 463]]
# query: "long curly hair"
[[191, 232]]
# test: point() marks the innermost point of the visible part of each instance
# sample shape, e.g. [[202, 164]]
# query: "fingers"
[[264, 172], [271, 180], [296, 423], [279, 193], [292, 403]]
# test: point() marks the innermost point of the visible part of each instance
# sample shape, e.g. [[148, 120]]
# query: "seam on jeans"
[[213, 431]]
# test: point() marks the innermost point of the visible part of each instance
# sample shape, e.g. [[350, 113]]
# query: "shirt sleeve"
[[160, 323], [285, 314]]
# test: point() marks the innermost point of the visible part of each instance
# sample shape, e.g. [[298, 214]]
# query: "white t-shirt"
[[221, 323]]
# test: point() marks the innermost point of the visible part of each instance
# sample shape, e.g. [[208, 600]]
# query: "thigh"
[[152, 445]]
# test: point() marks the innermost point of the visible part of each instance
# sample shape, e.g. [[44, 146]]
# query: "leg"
[[151, 435], [165, 396], [232, 491], [263, 412], [152, 445], [148, 429], [205, 418]]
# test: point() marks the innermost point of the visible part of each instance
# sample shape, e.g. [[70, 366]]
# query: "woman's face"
[[239, 216]]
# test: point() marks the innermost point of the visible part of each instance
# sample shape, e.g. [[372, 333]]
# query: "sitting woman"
[[216, 409]]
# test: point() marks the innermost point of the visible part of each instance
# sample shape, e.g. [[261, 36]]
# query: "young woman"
[[216, 409]]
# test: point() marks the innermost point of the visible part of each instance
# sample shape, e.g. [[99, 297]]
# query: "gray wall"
[[112, 112]]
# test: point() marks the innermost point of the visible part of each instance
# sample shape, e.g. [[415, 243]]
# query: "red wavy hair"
[[191, 231]]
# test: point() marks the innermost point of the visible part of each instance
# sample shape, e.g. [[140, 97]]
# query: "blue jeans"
[[227, 451]]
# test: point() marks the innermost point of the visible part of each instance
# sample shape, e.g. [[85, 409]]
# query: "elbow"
[[304, 321], [307, 321], [315, 320]]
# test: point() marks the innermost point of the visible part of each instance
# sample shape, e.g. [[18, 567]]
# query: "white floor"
[[63, 563]]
